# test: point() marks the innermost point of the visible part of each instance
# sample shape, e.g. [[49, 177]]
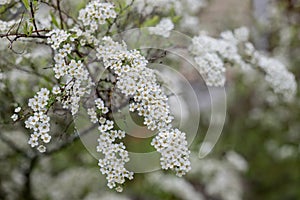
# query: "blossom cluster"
[[212, 68], [96, 13], [233, 47], [277, 76], [56, 37], [212, 53], [138, 82], [172, 145], [163, 28], [115, 154], [73, 72], [39, 122], [15, 116]]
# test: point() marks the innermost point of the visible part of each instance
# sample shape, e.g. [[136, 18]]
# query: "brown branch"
[[33, 18], [60, 14], [19, 35]]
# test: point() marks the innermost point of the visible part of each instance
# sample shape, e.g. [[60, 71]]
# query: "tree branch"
[[33, 18]]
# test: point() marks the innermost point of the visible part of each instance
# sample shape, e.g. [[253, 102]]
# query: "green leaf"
[[54, 21], [26, 4], [30, 30], [25, 27], [35, 3], [151, 22], [176, 19]]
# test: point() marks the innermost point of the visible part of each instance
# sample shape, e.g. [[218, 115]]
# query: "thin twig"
[[33, 18], [60, 14]]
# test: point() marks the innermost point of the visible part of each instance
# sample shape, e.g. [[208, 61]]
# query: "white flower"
[[136, 80], [18, 109], [119, 189], [46, 138], [99, 103], [163, 28], [212, 68], [14, 117], [279, 78], [41, 149], [96, 13], [33, 142], [57, 37], [93, 115]]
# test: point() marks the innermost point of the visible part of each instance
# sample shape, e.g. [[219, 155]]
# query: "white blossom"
[[39, 122], [57, 37], [96, 13], [211, 55], [163, 28], [14, 117], [135, 80], [212, 68], [18, 109], [41, 149]]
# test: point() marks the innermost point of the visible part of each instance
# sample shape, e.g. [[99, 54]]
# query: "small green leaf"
[[54, 21], [25, 27], [26, 4], [35, 3], [176, 19], [30, 30], [151, 22]]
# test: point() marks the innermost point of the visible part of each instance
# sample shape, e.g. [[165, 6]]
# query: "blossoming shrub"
[[79, 43]]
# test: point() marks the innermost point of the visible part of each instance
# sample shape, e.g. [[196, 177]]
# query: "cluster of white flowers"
[[282, 81], [212, 68], [137, 81], [39, 122], [76, 76], [225, 47], [233, 47], [277, 76], [57, 36], [207, 53], [96, 13], [15, 116], [163, 28], [115, 154], [172, 146]]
